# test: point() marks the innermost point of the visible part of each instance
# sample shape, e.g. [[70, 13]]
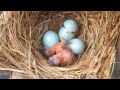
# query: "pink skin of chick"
[[55, 49], [63, 58]]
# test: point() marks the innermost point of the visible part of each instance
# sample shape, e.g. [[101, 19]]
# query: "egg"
[[50, 38], [70, 25], [76, 45], [63, 33]]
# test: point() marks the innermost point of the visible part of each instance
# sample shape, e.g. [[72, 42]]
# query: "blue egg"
[[76, 45], [63, 33], [70, 25], [50, 38]]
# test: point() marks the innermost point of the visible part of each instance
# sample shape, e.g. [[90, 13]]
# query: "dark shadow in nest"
[[42, 50], [80, 30]]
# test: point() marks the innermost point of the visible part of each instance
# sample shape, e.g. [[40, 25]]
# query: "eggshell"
[[63, 33]]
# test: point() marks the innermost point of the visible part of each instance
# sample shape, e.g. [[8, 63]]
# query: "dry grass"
[[21, 41]]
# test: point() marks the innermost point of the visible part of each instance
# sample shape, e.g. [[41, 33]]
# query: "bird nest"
[[21, 35]]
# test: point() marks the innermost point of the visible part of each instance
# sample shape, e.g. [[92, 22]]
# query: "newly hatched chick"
[[63, 58], [56, 48]]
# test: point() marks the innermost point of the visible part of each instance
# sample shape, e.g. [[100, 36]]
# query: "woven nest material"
[[21, 35]]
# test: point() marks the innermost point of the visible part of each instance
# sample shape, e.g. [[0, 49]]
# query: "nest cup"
[[21, 34]]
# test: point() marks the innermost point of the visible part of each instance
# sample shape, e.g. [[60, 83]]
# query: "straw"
[[21, 42]]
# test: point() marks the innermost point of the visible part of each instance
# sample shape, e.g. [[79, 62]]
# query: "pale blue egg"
[[50, 38], [77, 46], [63, 33], [70, 25]]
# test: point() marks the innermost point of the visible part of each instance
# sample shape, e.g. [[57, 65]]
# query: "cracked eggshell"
[[63, 33]]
